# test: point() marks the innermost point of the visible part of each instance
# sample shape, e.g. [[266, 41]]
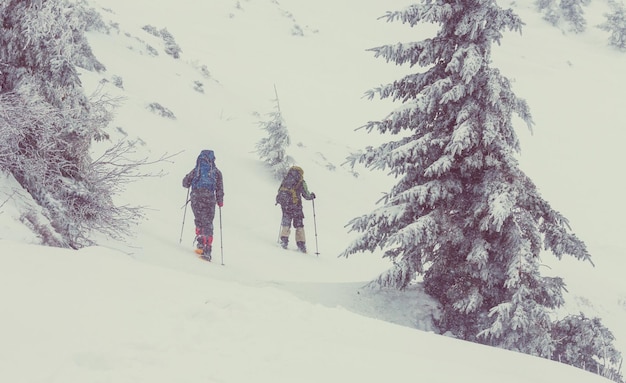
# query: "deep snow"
[[148, 310]]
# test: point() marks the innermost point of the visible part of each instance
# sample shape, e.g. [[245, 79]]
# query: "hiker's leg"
[[196, 208], [285, 228], [203, 208], [300, 236], [210, 216]]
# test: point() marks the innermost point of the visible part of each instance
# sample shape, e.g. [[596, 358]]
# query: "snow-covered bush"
[[77, 198], [162, 111], [171, 47], [566, 14], [616, 25], [48, 124]]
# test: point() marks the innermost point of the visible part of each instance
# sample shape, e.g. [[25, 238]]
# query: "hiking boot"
[[204, 251], [203, 241], [284, 241], [301, 246], [199, 243]]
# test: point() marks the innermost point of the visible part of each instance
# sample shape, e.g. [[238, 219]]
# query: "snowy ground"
[[149, 311]]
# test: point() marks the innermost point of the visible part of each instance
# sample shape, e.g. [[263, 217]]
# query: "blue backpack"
[[206, 172]]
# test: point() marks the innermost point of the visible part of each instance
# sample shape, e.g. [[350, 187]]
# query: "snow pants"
[[292, 215], [203, 206]]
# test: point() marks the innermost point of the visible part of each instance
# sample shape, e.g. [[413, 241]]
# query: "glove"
[[312, 195], [220, 204]]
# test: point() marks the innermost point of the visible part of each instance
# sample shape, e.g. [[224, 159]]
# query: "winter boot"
[[301, 246], [284, 236], [199, 245], [206, 253], [199, 241], [203, 246], [300, 239]]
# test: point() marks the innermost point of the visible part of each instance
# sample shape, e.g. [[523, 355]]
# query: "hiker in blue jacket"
[[290, 193], [207, 190]]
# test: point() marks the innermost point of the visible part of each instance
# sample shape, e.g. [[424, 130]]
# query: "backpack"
[[287, 193], [206, 172]]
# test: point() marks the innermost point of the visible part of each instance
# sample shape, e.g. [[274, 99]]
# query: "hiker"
[[292, 188], [207, 190]]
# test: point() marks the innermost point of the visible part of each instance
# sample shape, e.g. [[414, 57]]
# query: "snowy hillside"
[[147, 310], [99, 316]]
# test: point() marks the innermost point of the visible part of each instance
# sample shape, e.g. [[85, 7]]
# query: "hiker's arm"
[[187, 180], [219, 189], [305, 192]]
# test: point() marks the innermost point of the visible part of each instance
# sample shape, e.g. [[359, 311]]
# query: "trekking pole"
[[184, 216], [221, 238], [280, 226], [315, 226]]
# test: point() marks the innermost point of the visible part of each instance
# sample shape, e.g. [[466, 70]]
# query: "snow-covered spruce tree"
[[564, 13], [586, 343], [49, 117], [462, 213], [616, 25], [273, 148]]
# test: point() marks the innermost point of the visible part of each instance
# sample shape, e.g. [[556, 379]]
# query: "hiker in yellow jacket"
[[289, 197]]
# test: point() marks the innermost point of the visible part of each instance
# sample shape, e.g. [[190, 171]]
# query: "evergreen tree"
[[564, 12], [462, 213], [586, 343], [272, 149], [616, 25]]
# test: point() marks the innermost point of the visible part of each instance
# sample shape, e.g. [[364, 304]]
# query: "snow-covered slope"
[[97, 315], [148, 310]]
